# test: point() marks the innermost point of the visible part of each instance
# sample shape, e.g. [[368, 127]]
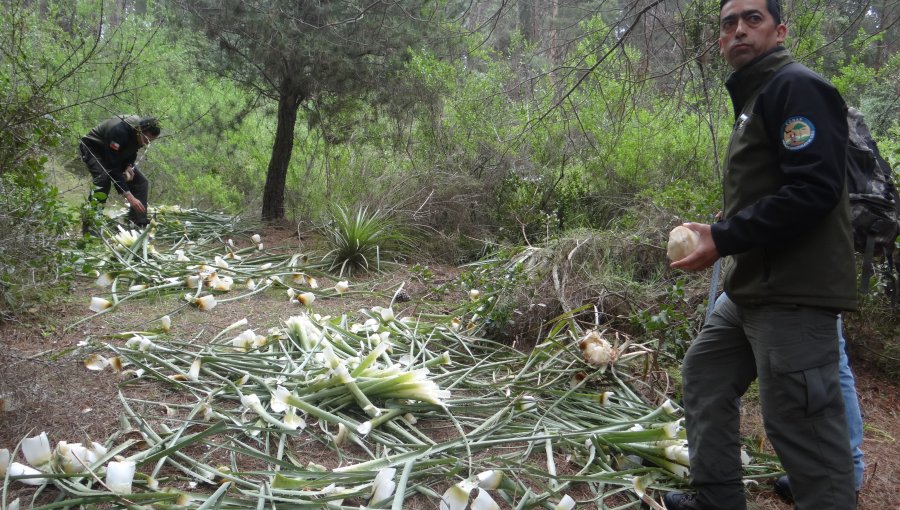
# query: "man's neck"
[[759, 57]]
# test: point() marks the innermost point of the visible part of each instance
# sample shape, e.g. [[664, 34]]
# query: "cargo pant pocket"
[[805, 379]]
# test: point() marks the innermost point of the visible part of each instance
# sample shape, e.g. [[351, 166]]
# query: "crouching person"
[[110, 151]]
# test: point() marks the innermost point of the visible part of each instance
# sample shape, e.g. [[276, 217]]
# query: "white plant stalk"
[[194, 372], [73, 458], [566, 503], [484, 501], [383, 486], [96, 362], [456, 497], [4, 461], [165, 323], [99, 304], [17, 469], [36, 449], [489, 479], [120, 476], [104, 280]]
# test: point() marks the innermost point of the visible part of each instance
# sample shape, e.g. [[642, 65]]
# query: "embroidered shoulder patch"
[[798, 132], [114, 146]]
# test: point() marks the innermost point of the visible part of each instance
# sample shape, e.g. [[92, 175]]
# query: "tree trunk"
[[555, 52], [115, 14], [528, 20], [276, 175]]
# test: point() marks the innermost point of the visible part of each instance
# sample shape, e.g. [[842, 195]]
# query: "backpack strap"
[[867, 270], [892, 276], [895, 279]]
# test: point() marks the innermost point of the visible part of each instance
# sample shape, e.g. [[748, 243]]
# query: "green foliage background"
[[496, 137]]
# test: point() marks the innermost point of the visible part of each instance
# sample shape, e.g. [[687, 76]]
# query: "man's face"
[[145, 138], [747, 30]]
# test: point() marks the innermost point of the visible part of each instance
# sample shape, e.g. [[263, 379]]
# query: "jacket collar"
[[744, 82]]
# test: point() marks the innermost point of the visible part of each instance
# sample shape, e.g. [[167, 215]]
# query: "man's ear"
[[781, 32], [721, 47]]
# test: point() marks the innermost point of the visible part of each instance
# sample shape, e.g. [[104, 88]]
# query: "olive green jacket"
[[786, 214]]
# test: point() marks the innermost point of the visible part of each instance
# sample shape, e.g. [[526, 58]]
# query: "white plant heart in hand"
[[682, 241]]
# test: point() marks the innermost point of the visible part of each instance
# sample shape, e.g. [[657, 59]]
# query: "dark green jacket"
[[786, 213], [114, 144]]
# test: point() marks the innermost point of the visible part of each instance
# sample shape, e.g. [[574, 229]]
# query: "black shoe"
[[681, 501], [783, 489]]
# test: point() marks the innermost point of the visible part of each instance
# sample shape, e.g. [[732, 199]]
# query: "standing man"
[[786, 231], [110, 151]]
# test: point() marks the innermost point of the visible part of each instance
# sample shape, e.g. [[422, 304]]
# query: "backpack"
[[874, 203]]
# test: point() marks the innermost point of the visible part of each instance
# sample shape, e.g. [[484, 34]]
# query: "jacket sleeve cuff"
[[724, 239]]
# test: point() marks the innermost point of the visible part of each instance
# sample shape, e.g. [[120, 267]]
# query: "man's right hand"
[[135, 203], [704, 255]]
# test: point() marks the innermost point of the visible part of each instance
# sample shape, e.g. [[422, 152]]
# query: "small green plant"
[[423, 272], [365, 240], [90, 212], [672, 322]]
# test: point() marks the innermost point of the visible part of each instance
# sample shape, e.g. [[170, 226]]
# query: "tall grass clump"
[[362, 241]]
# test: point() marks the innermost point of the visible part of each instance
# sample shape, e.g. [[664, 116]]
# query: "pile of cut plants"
[[370, 407]]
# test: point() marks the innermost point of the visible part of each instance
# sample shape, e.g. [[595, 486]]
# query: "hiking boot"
[[783, 489], [681, 501]]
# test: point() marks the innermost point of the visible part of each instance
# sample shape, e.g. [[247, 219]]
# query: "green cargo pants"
[[793, 351]]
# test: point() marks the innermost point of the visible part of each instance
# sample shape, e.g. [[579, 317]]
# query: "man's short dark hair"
[[773, 6], [149, 126]]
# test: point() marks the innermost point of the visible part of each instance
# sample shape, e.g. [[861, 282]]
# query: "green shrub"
[[686, 200], [35, 248]]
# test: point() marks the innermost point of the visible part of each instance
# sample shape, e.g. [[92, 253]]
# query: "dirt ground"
[[46, 387]]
